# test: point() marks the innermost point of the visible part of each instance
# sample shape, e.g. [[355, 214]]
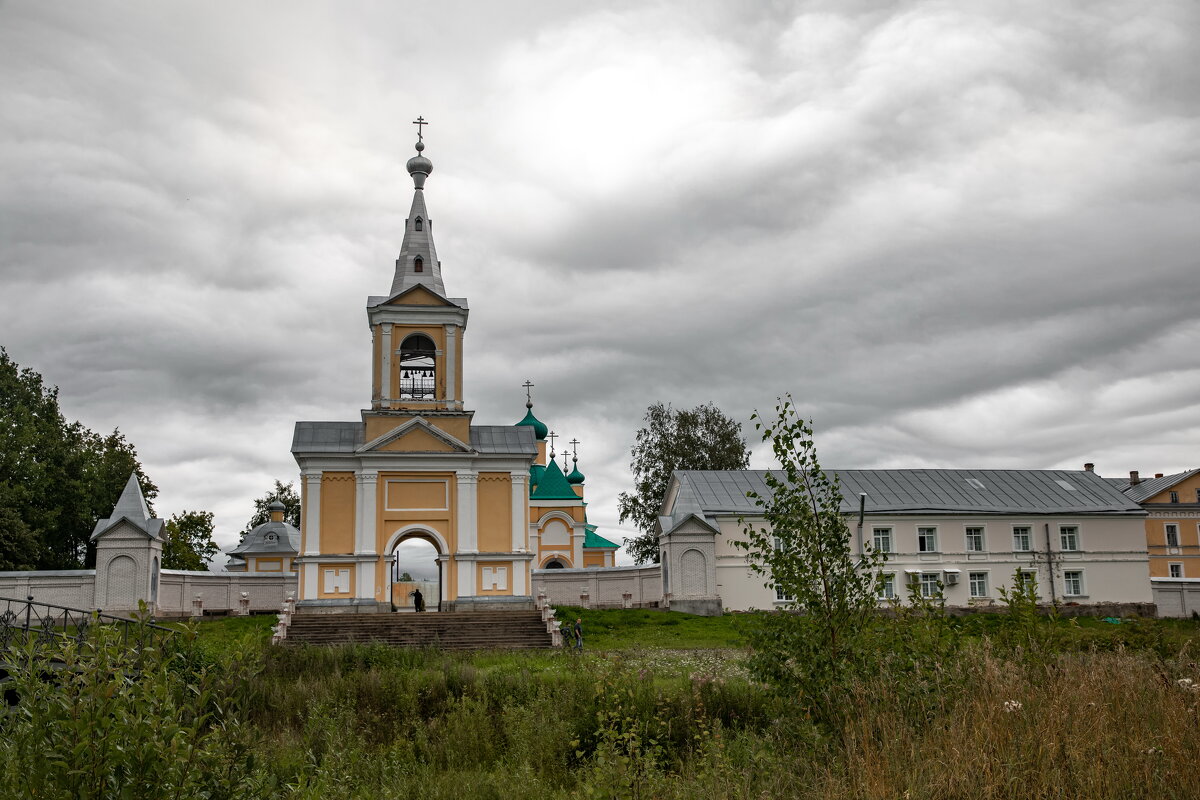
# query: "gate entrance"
[[415, 575]]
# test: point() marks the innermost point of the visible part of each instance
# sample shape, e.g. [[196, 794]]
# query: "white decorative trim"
[[468, 510], [415, 422], [312, 514], [520, 494], [451, 366], [385, 371], [408, 530], [366, 505]]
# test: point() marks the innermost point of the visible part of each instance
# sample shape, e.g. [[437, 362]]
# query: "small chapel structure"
[[488, 498]]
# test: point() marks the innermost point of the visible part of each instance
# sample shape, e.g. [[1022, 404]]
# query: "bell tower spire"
[[418, 262]]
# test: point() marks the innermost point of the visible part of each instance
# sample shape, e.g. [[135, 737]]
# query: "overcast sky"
[[961, 234]]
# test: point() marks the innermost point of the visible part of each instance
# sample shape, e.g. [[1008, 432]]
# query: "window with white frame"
[[927, 540], [1022, 538], [1025, 578], [883, 540], [977, 582], [1172, 531], [1069, 538], [931, 584], [1175, 569], [887, 586], [1073, 582], [781, 596], [974, 540]]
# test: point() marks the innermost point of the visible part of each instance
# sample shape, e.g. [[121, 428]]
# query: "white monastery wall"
[[604, 586]]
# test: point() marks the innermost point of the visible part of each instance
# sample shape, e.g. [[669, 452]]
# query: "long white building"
[[963, 532]]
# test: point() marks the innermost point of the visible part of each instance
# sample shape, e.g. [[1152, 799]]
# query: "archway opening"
[[415, 574], [418, 368], [554, 563]]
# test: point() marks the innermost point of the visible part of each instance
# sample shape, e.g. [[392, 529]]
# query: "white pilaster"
[[366, 482], [385, 387], [451, 365], [364, 580], [520, 570], [468, 529], [444, 576], [312, 513], [309, 573], [577, 541], [520, 504]]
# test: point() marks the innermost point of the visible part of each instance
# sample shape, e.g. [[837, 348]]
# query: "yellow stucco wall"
[[419, 296], [593, 559], [418, 441], [495, 512], [265, 564], [1188, 551], [1186, 489], [337, 512]]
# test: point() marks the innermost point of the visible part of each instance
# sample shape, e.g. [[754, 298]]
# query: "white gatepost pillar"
[[579, 532], [451, 366], [520, 531], [312, 513], [468, 530], [385, 377]]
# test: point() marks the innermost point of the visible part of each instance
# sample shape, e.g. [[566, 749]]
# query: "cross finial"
[[574, 449], [564, 460], [528, 395], [420, 123], [552, 436]]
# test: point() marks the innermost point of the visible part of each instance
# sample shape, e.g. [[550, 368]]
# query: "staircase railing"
[[22, 621], [553, 626]]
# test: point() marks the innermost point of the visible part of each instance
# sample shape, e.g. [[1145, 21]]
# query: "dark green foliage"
[[699, 438], [284, 493], [56, 477], [189, 541]]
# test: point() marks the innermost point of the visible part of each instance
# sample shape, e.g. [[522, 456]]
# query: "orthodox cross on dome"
[[564, 467], [528, 395], [574, 449], [552, 436], [420, 123]]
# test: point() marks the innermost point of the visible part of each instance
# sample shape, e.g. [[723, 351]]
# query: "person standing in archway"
[[418, 601]]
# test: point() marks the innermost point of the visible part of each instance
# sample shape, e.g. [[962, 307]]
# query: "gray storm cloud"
[[961, 234]]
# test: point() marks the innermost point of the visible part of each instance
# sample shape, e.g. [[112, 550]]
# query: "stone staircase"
[[462, 630]]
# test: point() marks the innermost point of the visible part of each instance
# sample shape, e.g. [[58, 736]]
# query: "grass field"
[[659, 705]]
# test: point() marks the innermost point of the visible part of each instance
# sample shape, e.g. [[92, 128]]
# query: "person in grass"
[[579, 633]]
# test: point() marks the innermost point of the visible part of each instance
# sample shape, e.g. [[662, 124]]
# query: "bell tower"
[[417, 330]]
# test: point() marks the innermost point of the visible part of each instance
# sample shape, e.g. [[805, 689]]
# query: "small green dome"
[[576, 476], [539, 428], [535, 474]]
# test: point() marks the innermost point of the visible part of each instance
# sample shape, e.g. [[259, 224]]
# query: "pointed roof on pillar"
[[418, 236], [131, 507]]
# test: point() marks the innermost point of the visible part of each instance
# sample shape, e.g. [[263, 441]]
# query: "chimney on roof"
[[1089, 467], [1134, 480], [1158, 474]]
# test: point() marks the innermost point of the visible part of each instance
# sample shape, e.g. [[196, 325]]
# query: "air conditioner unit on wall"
[[950, 577]]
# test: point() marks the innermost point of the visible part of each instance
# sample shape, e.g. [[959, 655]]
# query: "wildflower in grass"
[[1012, 705], [1188, 684]]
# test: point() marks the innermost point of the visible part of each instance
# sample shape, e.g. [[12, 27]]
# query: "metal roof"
[[1144, 490], [346, 437], [286, 539], [503, 439], [934, 491]]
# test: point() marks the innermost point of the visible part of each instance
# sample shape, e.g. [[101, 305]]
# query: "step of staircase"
[[460, 630]]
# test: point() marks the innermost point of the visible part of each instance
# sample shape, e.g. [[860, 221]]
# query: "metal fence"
[[45, 624]]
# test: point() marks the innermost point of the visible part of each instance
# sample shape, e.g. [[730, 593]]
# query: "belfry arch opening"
[[418, 368], [554, 563], [415, 565]]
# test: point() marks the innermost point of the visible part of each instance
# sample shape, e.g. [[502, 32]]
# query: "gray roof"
[[346, 437], [1143, 491], [131, 507], [925, 491], [503, 439], [327, 437], [269, 538]]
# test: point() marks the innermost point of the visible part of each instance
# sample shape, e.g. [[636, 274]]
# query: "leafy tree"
[[189, 541], [285, 494], [700, 438], [802, 546], [56, 477]]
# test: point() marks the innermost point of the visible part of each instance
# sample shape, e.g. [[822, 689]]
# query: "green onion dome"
[[539, 428], [535, 474], [576, 476]]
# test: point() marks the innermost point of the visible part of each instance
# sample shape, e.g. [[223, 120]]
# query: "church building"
[[415, 466]]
